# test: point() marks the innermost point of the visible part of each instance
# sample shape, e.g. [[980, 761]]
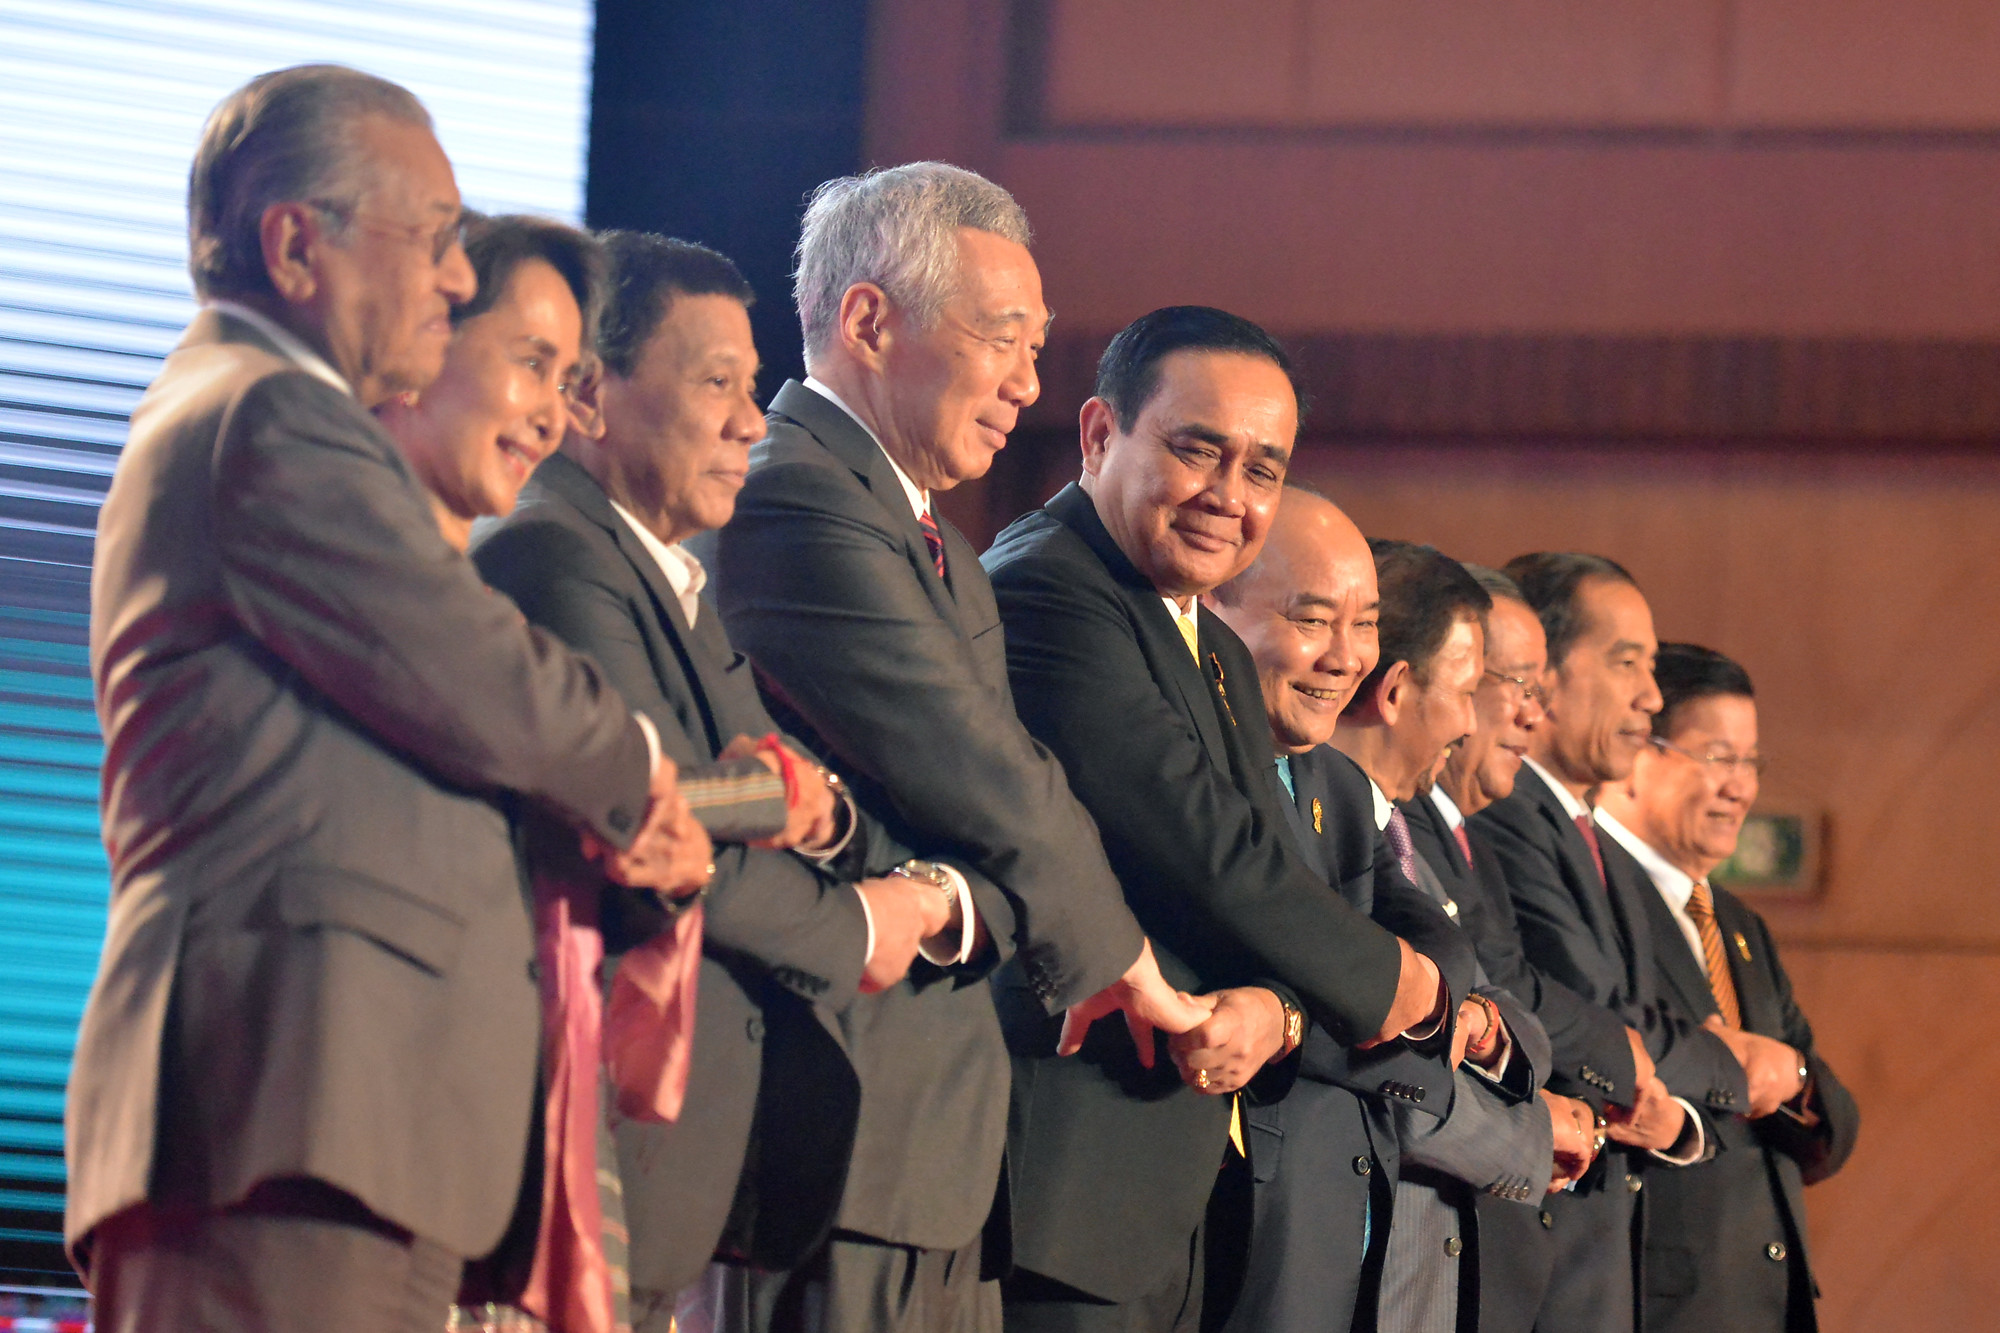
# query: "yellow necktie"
[[1701, 911], [1186, 626]]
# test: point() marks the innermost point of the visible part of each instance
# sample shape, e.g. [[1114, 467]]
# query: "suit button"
[[1775, 1252], [1547, 1220], [753, 1028], [1452, 1247], [1631, 1184], [534, 973], [1362, 1166]]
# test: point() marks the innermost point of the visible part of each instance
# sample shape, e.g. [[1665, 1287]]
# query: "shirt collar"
[[684, 574], [1574, 808], [1383, 809], [1675, 884], [287, 343], [1453, 816], [1192, 615], [920, 499]]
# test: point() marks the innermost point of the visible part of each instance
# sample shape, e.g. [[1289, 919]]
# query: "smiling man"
[[1153, 707], [1726, 1240]]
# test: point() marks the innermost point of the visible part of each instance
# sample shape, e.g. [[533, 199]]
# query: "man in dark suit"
[[1153, 709], [1725, 1240], [1583, 922], [301, 1092], [1416, 706], [875, 636], [1595, 1057], [593, 553], [1323, 1158]]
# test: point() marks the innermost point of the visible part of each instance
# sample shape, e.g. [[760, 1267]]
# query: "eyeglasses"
[[441, 241], [1716, 763], [1528, 688]]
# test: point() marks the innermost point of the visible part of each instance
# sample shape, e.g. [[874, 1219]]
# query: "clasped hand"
[[1148, 1003], [670, 853], [905, 913], [1225, 1051], [812, 811], [1771, 1067], [1575, 1128]]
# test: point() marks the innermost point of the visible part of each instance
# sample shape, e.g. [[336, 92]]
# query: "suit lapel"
[[1298, 820], [1594, 899]]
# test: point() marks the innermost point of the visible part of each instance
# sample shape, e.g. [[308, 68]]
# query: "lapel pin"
[[1319, 824], [1742, 947], [1220, 688]]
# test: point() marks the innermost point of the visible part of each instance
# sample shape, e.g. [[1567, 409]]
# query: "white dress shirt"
[[287, 343], [683, 573], [920, 506], [1676, 886]]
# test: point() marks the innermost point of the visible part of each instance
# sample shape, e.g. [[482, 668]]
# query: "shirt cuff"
[[652, 735], [868, 917], [967, 918], [1687, 1156], [1425, 1031], [1497, 1074]]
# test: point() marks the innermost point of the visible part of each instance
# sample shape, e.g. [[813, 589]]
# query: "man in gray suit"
[[876, 636], [302, 1088]]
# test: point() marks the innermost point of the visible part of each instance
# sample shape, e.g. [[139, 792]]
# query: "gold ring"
[[1201, 1079]]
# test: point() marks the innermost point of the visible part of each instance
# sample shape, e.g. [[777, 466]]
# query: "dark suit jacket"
[[898, 678], [783, 943], [317, 962], [1110, 1165], [1726, 1240], [1316, 1153]]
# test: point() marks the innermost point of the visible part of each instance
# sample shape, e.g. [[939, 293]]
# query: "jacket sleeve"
[[1209, 875], [806, 927], [822, 597], [1506, 1148], [332, 560], [1820, 1149]]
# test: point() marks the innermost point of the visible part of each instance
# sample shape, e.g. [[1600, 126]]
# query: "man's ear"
[[1392, 692], [863, 331], [586, 400], [289, 233], [1095, 424]]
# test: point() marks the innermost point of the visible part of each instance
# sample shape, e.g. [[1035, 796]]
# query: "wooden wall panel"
[[1887, 64]]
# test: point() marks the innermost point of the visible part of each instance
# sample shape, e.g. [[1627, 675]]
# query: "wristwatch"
[[1603, 1131], [1295, 1026], [929, 872]]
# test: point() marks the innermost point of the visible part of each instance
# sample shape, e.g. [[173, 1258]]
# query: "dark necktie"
[[1399, 840], [933, 539], [1589, 832]]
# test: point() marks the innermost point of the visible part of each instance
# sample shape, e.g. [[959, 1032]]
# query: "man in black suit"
[[876, 639], [1416, 706], [302, 1088], [593, 552], [1725, 1240], [1582, 919], [1154, 711], [1595, 1057], [1324, 1158]]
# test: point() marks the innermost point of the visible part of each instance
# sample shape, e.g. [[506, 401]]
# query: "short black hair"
[[1424, 593], [1128, 374], [647, 272], [1687, 672], [498, 245], [1549, 583]]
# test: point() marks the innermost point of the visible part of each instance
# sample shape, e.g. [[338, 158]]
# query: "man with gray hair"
[[876, 636], [301, 1092]]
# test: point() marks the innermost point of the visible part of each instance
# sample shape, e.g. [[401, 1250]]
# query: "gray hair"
[[897, 228], [283, 137], [1497, 585]]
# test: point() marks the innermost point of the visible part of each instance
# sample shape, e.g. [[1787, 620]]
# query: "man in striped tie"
[[1725, 1241]]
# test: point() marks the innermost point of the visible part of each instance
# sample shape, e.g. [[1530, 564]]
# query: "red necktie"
[[1589, 832], [1464, 843], [933, 539]]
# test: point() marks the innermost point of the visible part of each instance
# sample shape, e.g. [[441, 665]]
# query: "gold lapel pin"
[[1319, 825], [1220, 688], [1742, 946]]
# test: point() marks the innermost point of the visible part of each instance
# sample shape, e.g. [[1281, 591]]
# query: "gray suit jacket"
[[899, 679], [317, 962], [783, 943]]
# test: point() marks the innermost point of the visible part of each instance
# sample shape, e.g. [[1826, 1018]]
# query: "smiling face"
[[1601, 696], [1435, 712], [944, 398], [1309, 614], [1189, 492], [498, 408], [677, 433], [1693, 811], [1481, 770]]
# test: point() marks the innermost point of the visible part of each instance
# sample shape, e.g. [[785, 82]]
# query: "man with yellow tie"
[[1725, 1240], [1153, 706]]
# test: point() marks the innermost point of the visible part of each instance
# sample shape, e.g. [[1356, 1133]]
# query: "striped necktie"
[[933, 539], [1701, 911]]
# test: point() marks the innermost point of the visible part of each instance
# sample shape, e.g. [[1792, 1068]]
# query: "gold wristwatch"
[[1295, 1026]]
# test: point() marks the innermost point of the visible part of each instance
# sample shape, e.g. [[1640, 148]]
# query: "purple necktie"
[[933, 539], [1399, 838]]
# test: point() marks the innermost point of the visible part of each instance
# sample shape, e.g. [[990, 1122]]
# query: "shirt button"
[[1452, 1247], [1775, 1252], [1362, 1166]]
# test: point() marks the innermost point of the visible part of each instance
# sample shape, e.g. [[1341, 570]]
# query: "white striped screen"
[[100, 105]]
